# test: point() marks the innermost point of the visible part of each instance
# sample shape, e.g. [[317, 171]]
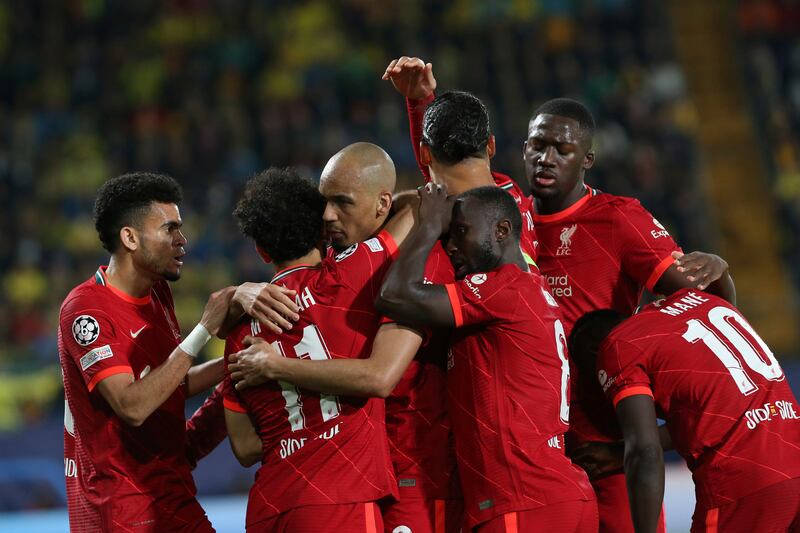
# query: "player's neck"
[[123, 276], [469, 174], [513, 256], [313, 258], [549, 206]]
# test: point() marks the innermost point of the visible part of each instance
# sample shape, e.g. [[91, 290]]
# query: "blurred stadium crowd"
[[213, 91]]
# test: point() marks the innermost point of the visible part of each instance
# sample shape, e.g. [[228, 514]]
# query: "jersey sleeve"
[[365, 264], [230, 398], [99, 345], [416, 113], [622, 370], [206, 428], [643, 244], [476, 299]]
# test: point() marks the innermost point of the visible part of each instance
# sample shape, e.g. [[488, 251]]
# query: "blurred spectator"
[[211, 91]]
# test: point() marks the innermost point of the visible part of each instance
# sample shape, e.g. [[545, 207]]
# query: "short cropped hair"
[[455, 127], [566, 107], [282, 212], [496, 204], [588, 333], [125, 200]]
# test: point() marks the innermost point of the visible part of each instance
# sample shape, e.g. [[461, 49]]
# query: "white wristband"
[[195, 340]]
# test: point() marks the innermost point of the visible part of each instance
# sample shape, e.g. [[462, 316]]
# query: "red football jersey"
[[416, 411], [507, 384], [320, 449], [600, 253], [728, 407], [119, 476]]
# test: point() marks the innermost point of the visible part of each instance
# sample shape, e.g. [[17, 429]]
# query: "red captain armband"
[[638, 390], [658, 271], [232, 405], [388, 241]]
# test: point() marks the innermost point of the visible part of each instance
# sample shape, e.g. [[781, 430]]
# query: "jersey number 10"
[[311, 346], [722, 321]]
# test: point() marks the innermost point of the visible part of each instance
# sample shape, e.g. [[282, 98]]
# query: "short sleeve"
[[643, 244], [365, 264], [621, 370], [230, 398], [99, 346], [476, 299]]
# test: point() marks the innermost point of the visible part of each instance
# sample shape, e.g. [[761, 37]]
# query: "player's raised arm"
[[404, 295], [644, 460], [413, 78], [135, 400]]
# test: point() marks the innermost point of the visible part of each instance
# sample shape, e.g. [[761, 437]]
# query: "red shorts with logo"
[[423, 516], [772, 509], [364, 517], [565, 517], [614, 507]]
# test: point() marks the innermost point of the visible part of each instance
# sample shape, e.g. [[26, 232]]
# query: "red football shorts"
[[773, 508], [423, 516], [565, 517], [346, 518], [613, 505]]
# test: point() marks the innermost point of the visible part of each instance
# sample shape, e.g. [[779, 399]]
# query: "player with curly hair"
[[324, 456]]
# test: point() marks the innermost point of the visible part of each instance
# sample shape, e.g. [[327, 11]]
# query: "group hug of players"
[[457, 358]]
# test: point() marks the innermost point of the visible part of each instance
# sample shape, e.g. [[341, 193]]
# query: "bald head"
[[363, 165], [358, 183]]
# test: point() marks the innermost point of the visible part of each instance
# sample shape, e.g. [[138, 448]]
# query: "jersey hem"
[[658, 271], [637, 390]]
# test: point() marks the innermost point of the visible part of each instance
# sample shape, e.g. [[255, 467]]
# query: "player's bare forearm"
[[135, 400], [405, 296], [392, 350], [644, 461], [665, 438], [245, 442], [724, 288], [204, 376]]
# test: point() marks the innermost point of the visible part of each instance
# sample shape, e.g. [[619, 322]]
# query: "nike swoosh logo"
[[134, 335]]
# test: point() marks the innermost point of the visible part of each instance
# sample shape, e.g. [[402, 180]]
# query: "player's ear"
[[424, 154], [588, 161], [384, 203], [491, 148], [502, 230], [129, 237]]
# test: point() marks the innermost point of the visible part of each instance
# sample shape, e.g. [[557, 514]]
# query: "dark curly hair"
[[455, 127], [282, 212], [125, 200]]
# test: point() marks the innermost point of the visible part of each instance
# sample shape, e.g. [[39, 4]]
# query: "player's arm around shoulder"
[[698, 270], [405, 296], [135, 400]]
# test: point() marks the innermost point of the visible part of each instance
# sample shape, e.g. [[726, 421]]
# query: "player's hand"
[[599, 458], [435, 207], [700, 268], [217, 309], [271, 305], [250, 367], [411, 76]]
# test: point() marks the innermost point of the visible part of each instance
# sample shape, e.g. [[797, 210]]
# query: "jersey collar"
[[100, 279], [564, 213]]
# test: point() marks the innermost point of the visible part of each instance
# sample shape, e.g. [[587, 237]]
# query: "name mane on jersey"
[[690, 301]]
